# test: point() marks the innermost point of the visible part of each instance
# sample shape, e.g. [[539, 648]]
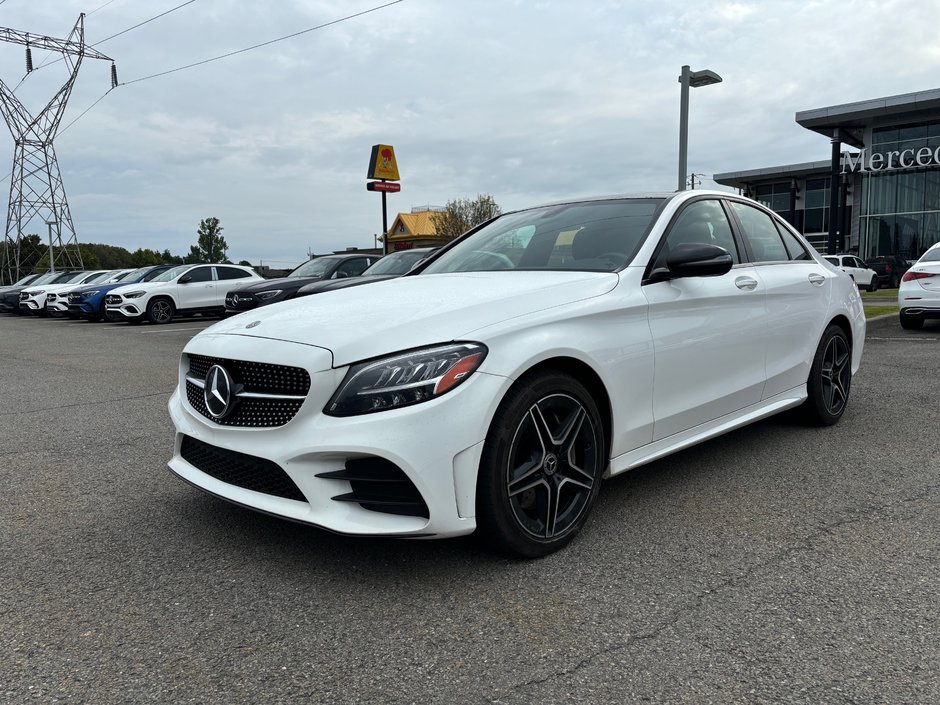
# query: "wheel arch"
[[843, 323], [587, 376], [162, 295]]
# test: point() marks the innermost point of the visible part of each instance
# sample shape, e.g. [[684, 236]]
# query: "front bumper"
[[437, 445], [127, 310]]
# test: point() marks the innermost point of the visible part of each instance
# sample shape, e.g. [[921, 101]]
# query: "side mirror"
[[694, 259], [185, 279]]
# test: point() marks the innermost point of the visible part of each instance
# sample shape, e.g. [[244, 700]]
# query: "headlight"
[[405, 379], [265, 295], [86, 294], [133, 294], [34, 293]]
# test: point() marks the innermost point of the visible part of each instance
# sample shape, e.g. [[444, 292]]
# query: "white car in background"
[[919, 293], [33, 300], [863, 275], [184, 290], [57, 302], [499, 382]]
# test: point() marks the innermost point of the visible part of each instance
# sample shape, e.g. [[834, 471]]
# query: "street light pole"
[[689, 79]]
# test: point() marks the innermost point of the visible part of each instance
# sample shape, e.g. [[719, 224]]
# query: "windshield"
[[27, 279], [119, 277], [315, 268], [99, 277], [593, 236], [397, 262], [132, 276], [171, 274], [67, 277], [930, 256], [45, 278]]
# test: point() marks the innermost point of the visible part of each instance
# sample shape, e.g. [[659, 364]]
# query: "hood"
[[333, 284], [284, 284], [52, 288], [362, 322], [104, 288]]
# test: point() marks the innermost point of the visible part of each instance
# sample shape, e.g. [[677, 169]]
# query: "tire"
[[160, 310], [873, 284], [830, 379], [910, 322], [545, 446]]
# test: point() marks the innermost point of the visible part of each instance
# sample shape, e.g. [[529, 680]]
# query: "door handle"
[[816, 279], [746, 283]]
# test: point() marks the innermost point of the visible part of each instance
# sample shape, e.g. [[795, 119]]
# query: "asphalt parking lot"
[[777, 564]]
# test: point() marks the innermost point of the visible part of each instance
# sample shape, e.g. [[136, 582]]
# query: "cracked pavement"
[[776, 564]]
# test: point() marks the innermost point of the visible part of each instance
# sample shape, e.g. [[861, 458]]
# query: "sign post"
[[382, 166]]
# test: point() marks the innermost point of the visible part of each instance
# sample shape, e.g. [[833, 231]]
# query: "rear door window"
[[200, 274], [231, 273]]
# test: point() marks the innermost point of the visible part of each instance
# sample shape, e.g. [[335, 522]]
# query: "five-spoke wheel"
[[830, 378], [160, 311], [542, 465]]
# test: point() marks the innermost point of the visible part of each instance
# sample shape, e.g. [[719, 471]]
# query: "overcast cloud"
[[528, 101]]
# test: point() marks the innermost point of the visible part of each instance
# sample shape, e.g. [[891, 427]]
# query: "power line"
[[141, 24], [263, 44], [100, 7], [206, 61], [46, 61]]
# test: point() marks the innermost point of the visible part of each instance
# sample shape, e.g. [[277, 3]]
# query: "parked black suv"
[[273, 290], [890, 269]]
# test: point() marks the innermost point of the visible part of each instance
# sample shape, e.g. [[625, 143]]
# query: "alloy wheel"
[[552, 466], [836, 374], [161, 311]]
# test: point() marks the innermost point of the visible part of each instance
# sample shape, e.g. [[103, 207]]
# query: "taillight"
[[887, 269], [913, 276]]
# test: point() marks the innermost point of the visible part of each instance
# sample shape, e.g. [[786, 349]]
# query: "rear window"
[[931, 255]]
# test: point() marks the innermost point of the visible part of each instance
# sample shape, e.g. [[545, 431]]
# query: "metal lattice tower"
[[36, 189]]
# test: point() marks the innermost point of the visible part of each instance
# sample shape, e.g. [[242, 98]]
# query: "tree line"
[[210, 247]]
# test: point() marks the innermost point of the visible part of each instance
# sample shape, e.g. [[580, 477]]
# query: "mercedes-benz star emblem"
[[218, 392], [551, 464], [235, 298]]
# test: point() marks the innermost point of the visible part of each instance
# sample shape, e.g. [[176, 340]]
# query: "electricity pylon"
[[36, 189]]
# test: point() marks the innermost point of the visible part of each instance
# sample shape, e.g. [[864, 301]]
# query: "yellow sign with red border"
[[382, 165]]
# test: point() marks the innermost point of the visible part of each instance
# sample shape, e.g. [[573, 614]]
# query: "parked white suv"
[[57, 300], [855, 268], [186, 289], [34, 300]]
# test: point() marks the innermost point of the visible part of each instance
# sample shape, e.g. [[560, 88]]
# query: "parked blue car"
[[88, 301]]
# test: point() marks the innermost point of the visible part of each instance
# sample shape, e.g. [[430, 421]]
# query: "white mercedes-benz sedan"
[[496, 385], [919, 293]]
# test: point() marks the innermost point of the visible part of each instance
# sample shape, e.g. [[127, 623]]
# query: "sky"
[[528, 101]]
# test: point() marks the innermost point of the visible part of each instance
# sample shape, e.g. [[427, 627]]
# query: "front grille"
[[113, 299], [75, 298], [24, 296], [50, 297], [253, 378], [241, 301], [240, 469], [379, 485]]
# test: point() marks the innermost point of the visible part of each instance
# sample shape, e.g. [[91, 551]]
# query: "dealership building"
[[879, 197]]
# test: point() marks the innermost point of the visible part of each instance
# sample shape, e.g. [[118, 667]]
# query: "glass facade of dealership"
[[889, 184], [900, 209]]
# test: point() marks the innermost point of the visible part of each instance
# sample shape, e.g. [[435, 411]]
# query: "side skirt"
[[679, 441]]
